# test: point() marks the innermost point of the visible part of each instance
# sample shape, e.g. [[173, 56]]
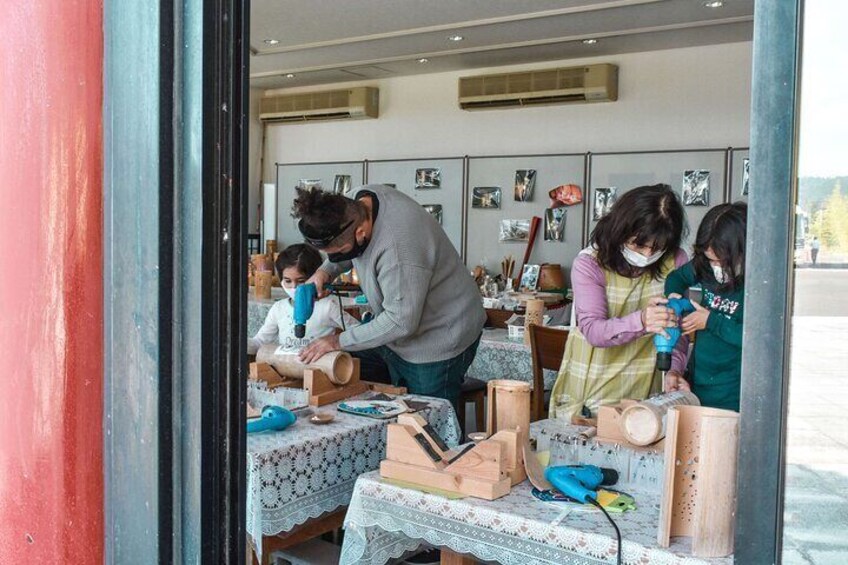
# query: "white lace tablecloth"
[[499, 357], [385, 521], [308, 470]]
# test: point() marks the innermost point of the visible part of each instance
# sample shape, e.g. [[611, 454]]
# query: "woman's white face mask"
[[638, 260], [719, 274], [290, 290]]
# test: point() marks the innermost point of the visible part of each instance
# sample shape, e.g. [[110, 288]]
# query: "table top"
[[307, 469]]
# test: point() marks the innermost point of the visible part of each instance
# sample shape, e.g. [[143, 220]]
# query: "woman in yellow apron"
[[619, 304]]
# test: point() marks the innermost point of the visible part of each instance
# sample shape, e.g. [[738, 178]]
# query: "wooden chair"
[[547, 347], [473, 390]]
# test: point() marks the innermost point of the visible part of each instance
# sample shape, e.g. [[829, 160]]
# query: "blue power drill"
[[273, 418], [665, 345], [305, 296], [580, 482]]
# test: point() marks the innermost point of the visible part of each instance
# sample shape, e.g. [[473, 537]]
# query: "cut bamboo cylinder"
[[262, 262], [262, 284], [644, 423], [535, 310], [509, 406], [270, 247], [337, 365]]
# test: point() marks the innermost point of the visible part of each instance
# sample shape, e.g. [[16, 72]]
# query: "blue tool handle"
[[274, 418]]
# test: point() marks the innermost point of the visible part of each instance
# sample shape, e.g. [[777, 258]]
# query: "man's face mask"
[[355, 251]]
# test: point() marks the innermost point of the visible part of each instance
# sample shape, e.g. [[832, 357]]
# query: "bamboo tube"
[[270, 247], [509, 406], [262, 286], [644, 423], [534, 312], [262, 262], [337, 365]]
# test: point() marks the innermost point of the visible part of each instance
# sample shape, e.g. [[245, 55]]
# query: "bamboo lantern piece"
[[699, 487], [262, 284], [336, 365], [643, 423], [535, 310], [271, 248], [262, 262]]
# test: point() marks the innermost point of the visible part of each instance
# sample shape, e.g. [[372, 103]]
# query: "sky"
[[823, 150]]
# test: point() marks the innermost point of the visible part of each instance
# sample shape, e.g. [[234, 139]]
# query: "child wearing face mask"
[[718, 269], [295, 264]]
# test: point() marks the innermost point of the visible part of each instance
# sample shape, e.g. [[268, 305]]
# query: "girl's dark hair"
[[324, 212], [305, 257], [723, 231], [651, 215]]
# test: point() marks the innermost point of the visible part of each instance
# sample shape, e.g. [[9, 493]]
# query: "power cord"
[[611, 521]]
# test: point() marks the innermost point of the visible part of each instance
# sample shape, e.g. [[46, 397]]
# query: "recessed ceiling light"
[[423, 60], [455, 38], [590, 41], [290, 75], [714, 4], [272, 41]]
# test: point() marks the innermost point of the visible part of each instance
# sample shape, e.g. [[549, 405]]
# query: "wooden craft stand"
[[485, 470], [699, 487], [320, 389], [609, 426]]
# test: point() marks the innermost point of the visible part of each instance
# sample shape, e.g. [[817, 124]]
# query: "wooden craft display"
[[321, 388], [643, 423], [534, 313], [486, 469], [262, 284], [699, 487], [336, 365]]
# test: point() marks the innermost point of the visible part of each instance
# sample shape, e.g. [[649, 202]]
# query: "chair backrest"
[[547, 346]]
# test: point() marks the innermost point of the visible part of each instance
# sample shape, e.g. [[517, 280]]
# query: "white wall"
[[254, 148], [681, 98]]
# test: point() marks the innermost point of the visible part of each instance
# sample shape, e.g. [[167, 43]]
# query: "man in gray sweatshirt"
[[428, 315]]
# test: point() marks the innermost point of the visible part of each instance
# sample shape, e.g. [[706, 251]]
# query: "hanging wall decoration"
[[428, 178], [565, 195], [525, 182], [486, 197], [529, 277], [514, 231], [305, 184], [746, 168], [696, 187], [434, 210], [555, 224], [604, 199], [342, 185]]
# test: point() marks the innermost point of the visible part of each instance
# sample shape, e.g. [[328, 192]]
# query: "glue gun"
[[305, 296], [274, 418], [665, 345], [580, 482]]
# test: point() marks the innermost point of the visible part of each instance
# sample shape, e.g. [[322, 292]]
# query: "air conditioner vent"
[[354, 103]]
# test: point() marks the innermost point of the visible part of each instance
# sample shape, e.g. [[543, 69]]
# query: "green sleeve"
[[727, 329], [680, 280]]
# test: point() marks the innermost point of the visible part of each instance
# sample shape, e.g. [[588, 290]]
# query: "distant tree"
[[830, 223]]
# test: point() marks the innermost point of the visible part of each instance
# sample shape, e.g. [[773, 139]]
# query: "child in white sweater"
[[295, 264]]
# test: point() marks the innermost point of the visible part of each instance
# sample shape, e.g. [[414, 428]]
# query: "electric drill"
[[274, 418], [665, 345], [304, 303], [580, 482]]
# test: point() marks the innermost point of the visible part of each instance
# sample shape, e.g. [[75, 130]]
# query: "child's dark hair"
[[324, 213], [723, 231], [302, 256], [651, 215]]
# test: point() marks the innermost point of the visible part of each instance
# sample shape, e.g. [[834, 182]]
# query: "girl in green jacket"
[[718, 268]]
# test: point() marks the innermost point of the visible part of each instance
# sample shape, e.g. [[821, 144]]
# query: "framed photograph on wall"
[[486, 197], [434, 210], [514, 231], [342, 185], [555, 224], [746, 169], [696, 187], [604, 199], [525, 183], [428, 178], [530, 277], [309, 183]]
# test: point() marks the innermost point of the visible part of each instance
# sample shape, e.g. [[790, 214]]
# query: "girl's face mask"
[[719, 274], [638, 260]]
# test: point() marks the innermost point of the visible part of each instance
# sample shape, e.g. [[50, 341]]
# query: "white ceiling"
[[330, 41]]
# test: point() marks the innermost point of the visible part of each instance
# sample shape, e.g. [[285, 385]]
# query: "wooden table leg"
[[451, 558], [311, 529]]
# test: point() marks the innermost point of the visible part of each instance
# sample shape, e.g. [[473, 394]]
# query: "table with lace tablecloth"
[[384, 521], [499, 357], [308, 470]]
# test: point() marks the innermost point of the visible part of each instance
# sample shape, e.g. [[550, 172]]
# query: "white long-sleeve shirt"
[[279, 324]]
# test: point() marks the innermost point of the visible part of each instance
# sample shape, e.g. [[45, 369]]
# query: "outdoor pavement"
[[816, 510]]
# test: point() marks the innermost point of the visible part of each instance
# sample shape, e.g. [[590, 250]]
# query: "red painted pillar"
[[51, 282]]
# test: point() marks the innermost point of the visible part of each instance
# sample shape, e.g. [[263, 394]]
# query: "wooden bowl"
[[321, 418]]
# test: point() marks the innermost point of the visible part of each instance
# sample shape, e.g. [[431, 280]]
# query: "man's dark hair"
[[650, 215], [723, 231], [324, 213], [305, 257]]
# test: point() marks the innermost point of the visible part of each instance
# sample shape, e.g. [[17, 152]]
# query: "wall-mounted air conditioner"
[[351, 103], [592, 83]]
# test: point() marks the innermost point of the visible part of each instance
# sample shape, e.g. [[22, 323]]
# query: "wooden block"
[[512, 441], [609, 421], [470, 486], [418, 423], [264, 372], [322, 391], [448, 557], [401, 446], [484, 461], [385, 388]]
